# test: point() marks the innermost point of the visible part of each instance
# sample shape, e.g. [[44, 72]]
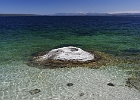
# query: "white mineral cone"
[[69, 53]]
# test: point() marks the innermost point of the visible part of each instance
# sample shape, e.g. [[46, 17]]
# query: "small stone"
[[32, 92], [69, 84], [81, 94], [110, 84]]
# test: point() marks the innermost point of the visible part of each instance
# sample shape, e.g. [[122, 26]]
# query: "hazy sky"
[[68, 6]]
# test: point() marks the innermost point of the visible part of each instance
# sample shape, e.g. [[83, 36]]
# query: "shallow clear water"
[[21, 37]]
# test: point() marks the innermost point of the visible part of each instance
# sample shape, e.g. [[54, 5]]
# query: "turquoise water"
[[21, 37]]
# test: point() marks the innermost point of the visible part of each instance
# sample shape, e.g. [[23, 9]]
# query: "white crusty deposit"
[[69, 53]]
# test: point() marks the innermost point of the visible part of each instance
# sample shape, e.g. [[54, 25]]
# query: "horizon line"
[[82, 13]]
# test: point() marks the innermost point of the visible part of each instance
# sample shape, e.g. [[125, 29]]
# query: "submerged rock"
[[32, 92], [81, 94], [110, 84], [133, 82], [69, 84]]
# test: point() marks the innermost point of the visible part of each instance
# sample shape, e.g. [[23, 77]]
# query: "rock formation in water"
[[67, 54], [69, 57], [62, 57]]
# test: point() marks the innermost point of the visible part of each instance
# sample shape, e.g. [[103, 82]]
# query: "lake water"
[[21, 37]]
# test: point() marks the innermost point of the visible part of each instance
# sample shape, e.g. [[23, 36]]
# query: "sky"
[[68, 6]]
